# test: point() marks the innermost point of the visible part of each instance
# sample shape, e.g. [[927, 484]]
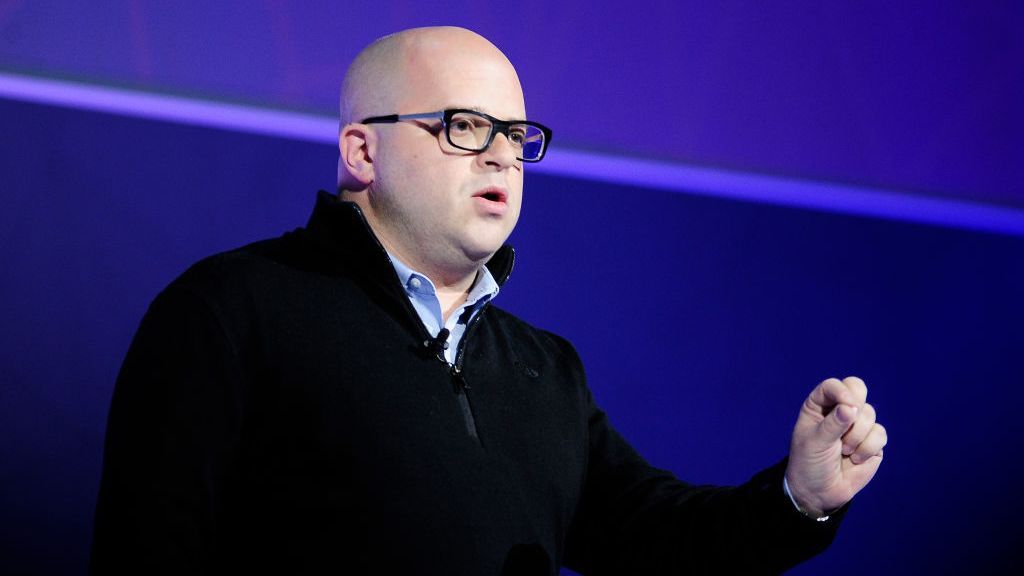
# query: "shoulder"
[[238, 267], [227, 275], [231, 284], [530, 340], [516, 325]]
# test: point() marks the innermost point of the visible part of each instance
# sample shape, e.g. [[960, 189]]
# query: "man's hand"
[[836, 447]]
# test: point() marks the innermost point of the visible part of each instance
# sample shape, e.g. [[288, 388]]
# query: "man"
[[345, 399]]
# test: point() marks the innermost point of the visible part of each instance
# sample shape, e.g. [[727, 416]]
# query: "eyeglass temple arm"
[[391, 118]]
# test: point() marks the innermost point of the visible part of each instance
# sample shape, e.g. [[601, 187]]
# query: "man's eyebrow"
[[483, 110], [467, 107]]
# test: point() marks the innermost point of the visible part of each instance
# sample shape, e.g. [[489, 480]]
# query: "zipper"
[[459, 382], [460, 353], [460, 385]]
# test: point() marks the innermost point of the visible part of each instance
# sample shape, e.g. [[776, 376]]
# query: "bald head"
[[378, 80], [414, 70]]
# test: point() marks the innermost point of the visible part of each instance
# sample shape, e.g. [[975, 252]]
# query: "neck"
[[451, 285], [451, 281], [453, 296]]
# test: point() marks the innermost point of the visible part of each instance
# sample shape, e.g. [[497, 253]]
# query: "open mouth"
[[492, 195]]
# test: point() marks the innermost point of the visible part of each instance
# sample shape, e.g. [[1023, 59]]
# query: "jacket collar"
[[341, 227]]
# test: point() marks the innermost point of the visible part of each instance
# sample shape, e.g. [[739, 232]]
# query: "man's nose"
[[501, 153]]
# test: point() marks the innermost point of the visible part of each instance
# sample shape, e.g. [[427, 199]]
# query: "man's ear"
[[357, 145]]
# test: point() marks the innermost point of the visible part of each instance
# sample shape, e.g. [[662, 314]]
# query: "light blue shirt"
[[422, 294]]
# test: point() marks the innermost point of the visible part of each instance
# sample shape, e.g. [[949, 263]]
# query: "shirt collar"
[[483, 290]]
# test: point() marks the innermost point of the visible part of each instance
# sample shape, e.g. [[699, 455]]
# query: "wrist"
[[809, 511]]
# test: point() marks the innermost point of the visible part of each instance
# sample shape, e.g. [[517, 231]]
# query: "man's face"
[[435, 206]]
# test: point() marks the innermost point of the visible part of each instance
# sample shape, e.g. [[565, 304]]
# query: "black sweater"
[[279, 412]]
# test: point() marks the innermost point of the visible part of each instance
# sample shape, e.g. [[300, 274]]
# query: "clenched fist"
[[836, 447]]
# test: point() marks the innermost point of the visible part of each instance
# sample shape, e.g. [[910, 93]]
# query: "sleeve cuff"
[[785, 487]]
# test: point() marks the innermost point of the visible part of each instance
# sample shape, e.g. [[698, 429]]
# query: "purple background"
[[920, 95], [702, 321]]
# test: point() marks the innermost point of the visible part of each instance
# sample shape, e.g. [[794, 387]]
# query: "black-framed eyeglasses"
[[474, 131]]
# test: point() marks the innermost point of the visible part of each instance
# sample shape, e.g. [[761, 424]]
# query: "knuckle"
[[867, 412], [856, 385]]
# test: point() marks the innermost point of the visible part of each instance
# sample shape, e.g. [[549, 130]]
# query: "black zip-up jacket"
[[279, 412]]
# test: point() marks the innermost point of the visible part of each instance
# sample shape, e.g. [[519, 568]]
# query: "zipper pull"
[[459, 379]]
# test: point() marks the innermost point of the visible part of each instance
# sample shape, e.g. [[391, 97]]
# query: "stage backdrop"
[[702, 321]]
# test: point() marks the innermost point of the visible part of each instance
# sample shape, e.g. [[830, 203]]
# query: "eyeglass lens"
[[471, 132]]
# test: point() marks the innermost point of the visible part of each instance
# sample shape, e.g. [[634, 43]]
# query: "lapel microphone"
[[438, 345]]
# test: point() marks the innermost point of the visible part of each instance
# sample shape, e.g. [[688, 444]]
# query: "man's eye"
[[461, 126], [516, 137]]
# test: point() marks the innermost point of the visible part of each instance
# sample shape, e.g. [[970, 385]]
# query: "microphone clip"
[[438, 345]]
